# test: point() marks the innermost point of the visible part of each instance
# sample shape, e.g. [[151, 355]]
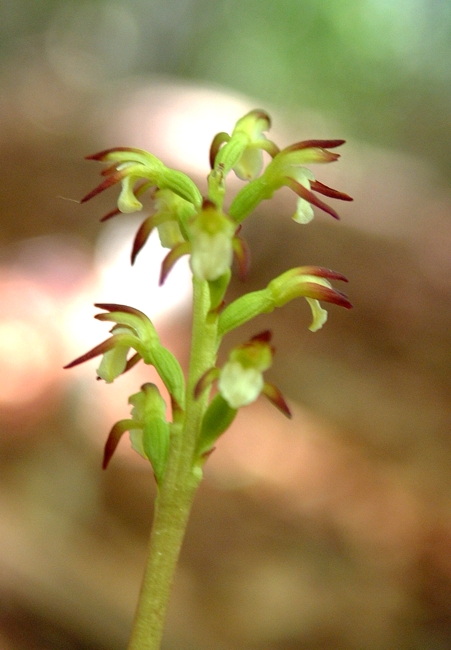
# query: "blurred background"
[[333, 530]]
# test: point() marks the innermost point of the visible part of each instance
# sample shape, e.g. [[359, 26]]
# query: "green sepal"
[[218, 288], [218, 417], [155, 441], [228, 155], [170, 372], [181, 184], [129, 317], [150, 435]]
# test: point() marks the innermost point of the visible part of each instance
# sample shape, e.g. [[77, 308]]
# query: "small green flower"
[[149, 430], [171, 216], [212, 240], [212, 232], [240, 380], [242, 151], [287, 168], [133, 165], [133, 330], [310, 282]]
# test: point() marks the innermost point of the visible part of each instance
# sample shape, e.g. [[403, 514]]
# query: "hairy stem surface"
[[176, 493]]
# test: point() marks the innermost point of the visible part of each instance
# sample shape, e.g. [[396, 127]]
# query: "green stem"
[[176, 493]]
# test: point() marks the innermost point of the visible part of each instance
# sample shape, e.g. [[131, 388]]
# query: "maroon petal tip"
[[329, 191], [322, 272], [111, 214], [263, 337], [104, 185], [112, 307], [91, 354], [142, 236], [308, 195], [101, 155], [113, 439], [275, 397]]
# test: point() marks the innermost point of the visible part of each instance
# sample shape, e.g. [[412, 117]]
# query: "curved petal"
[[113, 439], [307, 195]]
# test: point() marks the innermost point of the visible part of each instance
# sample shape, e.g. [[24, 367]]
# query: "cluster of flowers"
[[189, 224]]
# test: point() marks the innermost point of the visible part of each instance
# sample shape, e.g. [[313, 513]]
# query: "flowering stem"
[[178, 488], [188, 223]]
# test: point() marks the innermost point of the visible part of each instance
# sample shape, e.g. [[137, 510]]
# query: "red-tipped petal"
[[131, 363], [306, 194], [329, 191], [95, 352], [104, 185], [319, 292], [218, 141], [142, 236], [109, 170], [322, 272], [112, 307], [111, 214], [261, 114], [263, 337], [171, 258], [113, 439], [243, 256], [311, 144], [275, 397]]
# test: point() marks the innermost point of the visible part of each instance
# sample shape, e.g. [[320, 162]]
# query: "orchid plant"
[[190, 224]]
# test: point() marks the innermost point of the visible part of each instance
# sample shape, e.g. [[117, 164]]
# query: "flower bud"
[[151, 438], [217, 419], [149, 430]]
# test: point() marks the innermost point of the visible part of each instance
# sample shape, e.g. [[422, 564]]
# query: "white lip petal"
[[239, 386], [304, 212], [211, 256]]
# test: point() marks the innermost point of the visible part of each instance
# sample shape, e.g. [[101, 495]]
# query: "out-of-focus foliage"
[[379, 67]]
